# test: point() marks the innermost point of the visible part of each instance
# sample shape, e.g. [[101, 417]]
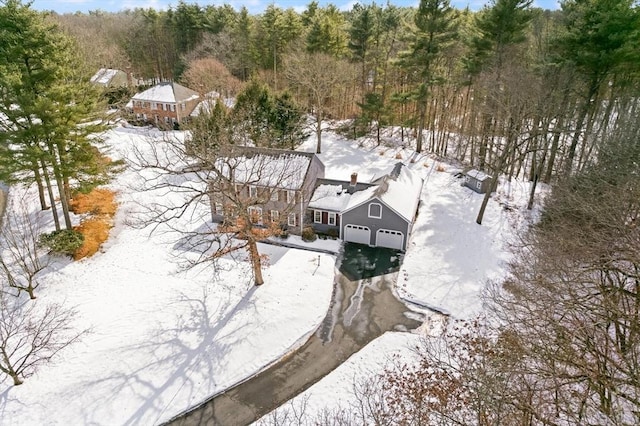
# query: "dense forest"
[[549, 96], [509, 89]]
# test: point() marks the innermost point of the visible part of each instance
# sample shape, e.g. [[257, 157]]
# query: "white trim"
[[358, 234], [274, 215], [317, 216], [393, 235], [253, 191], [332, 215], [291, 196], [291, 219], [274, 195], [373, 216], [218, 209]]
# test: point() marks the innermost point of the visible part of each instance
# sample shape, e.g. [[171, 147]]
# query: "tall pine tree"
[[47, 106]]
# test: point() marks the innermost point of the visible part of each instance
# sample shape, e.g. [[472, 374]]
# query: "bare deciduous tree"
[[208, 74], [318, 78], [21, 256], [31, 335], [210, 175]]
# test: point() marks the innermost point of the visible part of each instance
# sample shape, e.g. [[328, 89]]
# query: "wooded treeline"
[[510, 88]]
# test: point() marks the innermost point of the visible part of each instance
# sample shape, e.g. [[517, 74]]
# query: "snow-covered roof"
[[104, 76], [400, 190], [330, 197], [275, 169], [478, 175], [167, 92], [206, 106]]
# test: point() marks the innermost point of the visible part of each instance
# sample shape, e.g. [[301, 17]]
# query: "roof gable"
[[399, 190]]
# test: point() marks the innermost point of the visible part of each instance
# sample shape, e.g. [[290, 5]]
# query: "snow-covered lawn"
[[447, 265], [162, 339]]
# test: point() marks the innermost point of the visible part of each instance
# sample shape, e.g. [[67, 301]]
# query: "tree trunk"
[[494, 184], [256, 263], [422, 106], [52, 198], [578, 130], [57, 172], [318, 131], [38, 179], [16, 380]]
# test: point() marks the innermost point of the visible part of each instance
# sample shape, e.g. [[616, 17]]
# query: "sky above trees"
[[254, 6]]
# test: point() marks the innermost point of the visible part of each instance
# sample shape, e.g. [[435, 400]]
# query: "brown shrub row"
[[101, 206]]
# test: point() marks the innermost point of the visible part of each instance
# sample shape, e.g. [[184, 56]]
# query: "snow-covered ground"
[[162, 339], [448, 263]]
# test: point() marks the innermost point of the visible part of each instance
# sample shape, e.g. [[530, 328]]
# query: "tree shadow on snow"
[[184, 360]]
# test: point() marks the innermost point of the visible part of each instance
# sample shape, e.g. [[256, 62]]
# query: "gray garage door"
[[357, 234], [389, 238]]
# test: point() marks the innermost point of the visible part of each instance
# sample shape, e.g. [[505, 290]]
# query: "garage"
[[390, 239], [357, 234]]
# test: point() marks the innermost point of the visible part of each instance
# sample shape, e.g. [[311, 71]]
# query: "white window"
[[255, 215], [332, 218], [238, 188], [479, 185], [291, 220], [317, 216], [291, 196], [253, 191], [167, 120], [274, 195], [173, 107], [154, 105], [375, 211], [275, 215], [466, 179], [218, 209], [144, 116]]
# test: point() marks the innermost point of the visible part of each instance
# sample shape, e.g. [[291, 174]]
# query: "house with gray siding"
[[329, 198], [379, 214], [277, 185]]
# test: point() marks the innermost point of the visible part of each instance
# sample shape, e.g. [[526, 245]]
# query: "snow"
[[163, 338], [285, 170], [478, 175], [401, 193], [158, 93], [160, 338], [447, 265], [104, 76], [330, 197]]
